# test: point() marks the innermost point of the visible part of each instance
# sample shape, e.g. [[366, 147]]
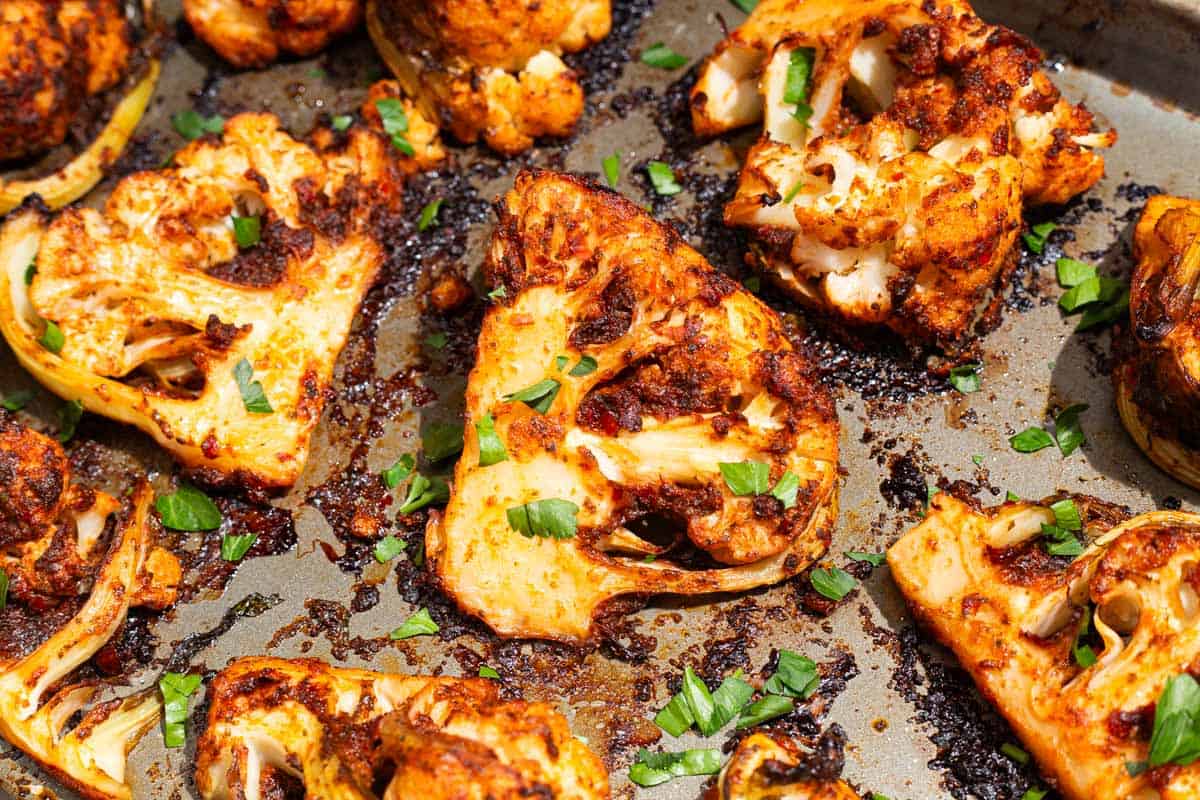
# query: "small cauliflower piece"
[[690, 371], [421, 133], [1158, 382], [340, 732], [774, 767], [168, 324], [255, 33], [984, 583], [490, 70]]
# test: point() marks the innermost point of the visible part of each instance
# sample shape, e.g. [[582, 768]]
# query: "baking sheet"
[[915, 728]]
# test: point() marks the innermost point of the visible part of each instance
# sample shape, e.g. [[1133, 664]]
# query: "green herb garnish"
[[235, 545], [429, 214], [549, 518], [176, 689], [388, 548], [188, 509], [491, 447], [662, 178], [612, 168], [253, 396], [192, 125], [663, 57], [419, 624], [394, 475], [832, 583], [395, 123]]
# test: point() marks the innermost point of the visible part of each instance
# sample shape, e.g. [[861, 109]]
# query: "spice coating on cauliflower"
[[341, 732], [678, 371], [984, 582], [255, 33], [490, 70], [222, 351], [774, 767]]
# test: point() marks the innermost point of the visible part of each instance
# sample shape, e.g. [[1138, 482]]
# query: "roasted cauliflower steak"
[[1011, 612], [490, 70], [339, 732], [255, 33], [901, 140], [677, 370], [1158, 382], [775, 767], [221, 352], [42, 712]]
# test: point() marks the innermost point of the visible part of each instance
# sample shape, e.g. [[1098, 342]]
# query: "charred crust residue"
[[921, 46], [824, 763], [32, 471], [611, 315], [266, 263], [220, 335], [1028, 563]]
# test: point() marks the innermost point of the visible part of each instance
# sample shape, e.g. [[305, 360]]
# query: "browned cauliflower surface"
[[985, 584], [1158, 383], [490, 70], [658, 370], [254, 33], [775, 767], [221, 351], [901, 140], [327, 732]]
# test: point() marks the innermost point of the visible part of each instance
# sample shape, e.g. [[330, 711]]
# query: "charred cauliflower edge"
[[772, 767], [254, 33]]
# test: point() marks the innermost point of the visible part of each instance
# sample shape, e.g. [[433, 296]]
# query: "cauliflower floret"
[[900, 143], [690, 372], [342, 731], [222, 352], [254, 33], [986, 585], [420, 133], [774, 767], [1158, 382], [87, 755], [488, 69]]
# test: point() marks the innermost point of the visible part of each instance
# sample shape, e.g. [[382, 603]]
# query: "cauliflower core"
[[901, 140], [488, 69], [41, 507], [273, 723], [773, 767], [690, 372], [254, 33], [1158, 382], [170, 325], [984, 583]]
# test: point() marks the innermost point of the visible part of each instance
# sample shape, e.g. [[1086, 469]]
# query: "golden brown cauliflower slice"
[[87, 752], [339, 732], [490, 69], [900, 142], [774, 767], [222, 352], [985, 583], [649, 371], [254, 33], [1158, 383]]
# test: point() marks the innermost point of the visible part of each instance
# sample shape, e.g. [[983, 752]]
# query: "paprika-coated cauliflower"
[[339, 732], [674, 370], [254, 33], [774, 767], [1158, 382], [223, 353], [901, 140], [985, 584], [490, 69]]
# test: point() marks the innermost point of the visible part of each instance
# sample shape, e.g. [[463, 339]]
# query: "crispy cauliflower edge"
[[337, 731], [760, 768], [490, 70], [983, 583], [89, 756], [1158, 382], [690, 371], [255, 33], [906, 216], [153, 321]]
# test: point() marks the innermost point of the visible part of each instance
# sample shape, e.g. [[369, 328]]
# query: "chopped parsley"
[[394, 475], [874, 559], [176, 689], [1176, 734], [586, 366], [3, 589], [419, 624], [429, 214], [437, 341], [424, 491], [548, 518], [540, 396], [1030, 440], [491, 446], [487, 672], [965, 378], [253, 396], [188, 509], [660, 56], [612, 168], [395, 123], [795, 676], [796, 84], [832, 583], [662, 178], [1082, 652], [651, 769], [746, 477], [388, 548], [441, 440], [765, 708], [69, 414], [192, 125], [745, 5], [17, 400], [1035, 237], [1101, 299], [341, 122], [235, 545], [1015, 753], [52, 338], [247, 231]]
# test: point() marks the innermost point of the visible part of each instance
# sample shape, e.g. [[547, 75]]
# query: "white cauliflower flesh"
[[487, 69], [221, 351], [900, 143], [772, 767], [987, 586], [339, 732], [690, 372]]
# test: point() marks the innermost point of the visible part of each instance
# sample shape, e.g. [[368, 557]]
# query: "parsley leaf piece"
[[662, 178], [1097, 316], [429, 214], [745, 5], [676, 716], [795, 676], [612, 168], [388, 548], [753, 284], [253, 396], [395, 123], [795, 190], [1030, 440], [548, 518], [1066, 515], [796, 83], [437, 340], [540, 396], [247, 231], [660, 56], [965, 378], [394, 475], [176, 689], [52, 338], [832, 583], [1034, 794], [1176, 733], [586, 366], [487, 672], [498, 293], [746, 478], [17, 400], [1035, 238], [730, 698], [491, 446], [651, 769], [1072, 273], [785, 489], [191, 125], [1083, 654], [977, 460], [3, 589], [1060, 542], [341, 122], [874, 559], [235, 545], [1080, 295], [766, 707], [1067, 432], [1015, 753], [442, 440], [188, 509], [424, 491], [1011, 497], [69, 414], [419, 624]]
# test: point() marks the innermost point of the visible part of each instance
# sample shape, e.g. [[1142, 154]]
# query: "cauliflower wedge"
[[1018, 618], [773, 767], [255, 33], [901, 141], [1158, 383], [637, 424], [341, 732], [487, 69], [88, 755], [207, 303]]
